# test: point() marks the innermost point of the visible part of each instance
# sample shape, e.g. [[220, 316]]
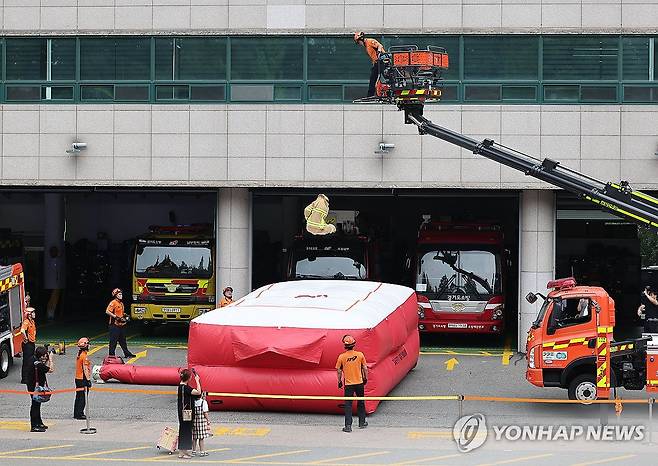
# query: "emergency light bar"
[[562, 283]]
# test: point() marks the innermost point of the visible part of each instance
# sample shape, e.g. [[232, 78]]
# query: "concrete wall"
[[316, 145], [275, 16]]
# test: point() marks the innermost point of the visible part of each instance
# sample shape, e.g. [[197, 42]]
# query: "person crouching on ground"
[[82, 378], [186, 412], [352, 364]]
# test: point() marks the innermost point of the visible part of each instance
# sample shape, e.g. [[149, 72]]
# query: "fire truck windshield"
[[329, 262], [459, 274], [173, 262]]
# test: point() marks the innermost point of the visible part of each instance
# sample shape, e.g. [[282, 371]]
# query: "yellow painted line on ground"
[[107, 452], [485, 354], [95, 350], [73, 458], [507, 352], [269, 455], [165, 346], [242, 431], [140, 355], [71, 345], [351, 457], [606, 460], [169, 457], [13, 452], [431, 458], [518, 460], [15, 425]]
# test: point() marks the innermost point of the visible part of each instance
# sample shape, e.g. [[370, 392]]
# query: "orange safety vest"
[[82, 366], [373, 47], [225, 301], [116, 308], [30, 329]]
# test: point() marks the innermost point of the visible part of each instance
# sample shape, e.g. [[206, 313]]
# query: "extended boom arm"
[[618, 199]]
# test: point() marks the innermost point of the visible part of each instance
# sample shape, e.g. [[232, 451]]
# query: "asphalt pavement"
[[400, 432]]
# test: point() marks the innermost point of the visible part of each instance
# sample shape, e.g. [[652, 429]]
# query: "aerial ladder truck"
[[570, 344]]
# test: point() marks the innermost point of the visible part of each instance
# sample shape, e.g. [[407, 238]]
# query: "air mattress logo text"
[[401, 355]]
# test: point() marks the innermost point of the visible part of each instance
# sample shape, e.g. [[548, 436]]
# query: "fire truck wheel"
[[5, 360], [583, 388]]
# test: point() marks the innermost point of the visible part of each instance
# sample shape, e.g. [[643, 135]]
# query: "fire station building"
[[120, 114]]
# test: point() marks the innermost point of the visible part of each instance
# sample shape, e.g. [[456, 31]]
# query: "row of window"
[[551, 68]]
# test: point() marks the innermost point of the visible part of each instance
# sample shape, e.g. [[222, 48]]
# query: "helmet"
[[227, 288], [83, 342], [358, 36], [116, 291], [348, 340]]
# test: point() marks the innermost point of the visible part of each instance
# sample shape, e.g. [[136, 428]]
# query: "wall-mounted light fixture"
[[385, 147], [76, 147]]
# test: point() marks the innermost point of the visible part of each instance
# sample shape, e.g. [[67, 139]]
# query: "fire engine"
[[459, 277], [570, 344], [345, 255], [12, 303], [173, 275]]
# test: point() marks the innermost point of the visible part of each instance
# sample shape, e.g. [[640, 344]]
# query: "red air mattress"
[[285, 338], [141, 375]]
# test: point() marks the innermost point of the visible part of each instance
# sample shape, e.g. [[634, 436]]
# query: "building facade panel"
[[593, 141]]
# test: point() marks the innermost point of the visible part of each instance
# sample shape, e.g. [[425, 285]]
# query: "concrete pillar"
[[234, 241], [537, 253]]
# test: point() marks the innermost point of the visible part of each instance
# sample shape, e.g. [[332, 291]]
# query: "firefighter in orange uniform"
[[373, 49], [352, 365], [118, 321], [82, 378], [227, 298], [29, 331]]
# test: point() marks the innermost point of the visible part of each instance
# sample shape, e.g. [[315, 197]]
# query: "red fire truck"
[[12, 302], [346, 255], [459, 277]]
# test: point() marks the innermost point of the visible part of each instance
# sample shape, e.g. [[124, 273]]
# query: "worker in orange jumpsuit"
[[118, 321], [227, 298], [29, 331], [352, 365], [373, 49], [82, 378]]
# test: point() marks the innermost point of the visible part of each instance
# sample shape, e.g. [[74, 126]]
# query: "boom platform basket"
[[407, 74]]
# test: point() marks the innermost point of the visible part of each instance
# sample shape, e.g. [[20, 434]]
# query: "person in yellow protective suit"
[[315, 214]]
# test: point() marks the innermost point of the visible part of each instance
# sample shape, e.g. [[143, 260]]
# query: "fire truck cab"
[[12, 304], [173, 275], [459, 277], [345, 255], [570, 345]]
